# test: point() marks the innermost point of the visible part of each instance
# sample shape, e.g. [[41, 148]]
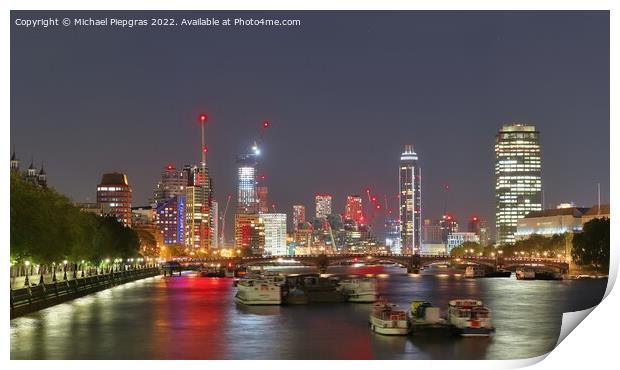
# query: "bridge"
[[412, 263]]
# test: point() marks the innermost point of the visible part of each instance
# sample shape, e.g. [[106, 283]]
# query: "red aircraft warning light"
[[204, 149], [266, 124], [202, 117]]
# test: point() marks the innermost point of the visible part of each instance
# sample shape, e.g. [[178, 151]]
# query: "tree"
[[591, 246]]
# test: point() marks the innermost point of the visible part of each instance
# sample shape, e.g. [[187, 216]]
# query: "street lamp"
[[53, 272], [64, 276], [27, 282], [82, 268]]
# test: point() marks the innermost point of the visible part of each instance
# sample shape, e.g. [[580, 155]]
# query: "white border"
[[592, 345]]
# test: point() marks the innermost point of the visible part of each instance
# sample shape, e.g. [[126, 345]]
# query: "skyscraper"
[[170, 219], [173, 182], [275, 233], [114, 196], [299, 215], [198, 198], [410, 201], [247, 200], [518, 180], [323, 205], [392, 236], [353, 208], [262, 193]]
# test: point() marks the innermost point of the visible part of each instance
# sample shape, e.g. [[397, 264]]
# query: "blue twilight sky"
[[345, 91]]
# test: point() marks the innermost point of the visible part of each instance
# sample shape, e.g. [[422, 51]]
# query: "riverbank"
[[36, 297]]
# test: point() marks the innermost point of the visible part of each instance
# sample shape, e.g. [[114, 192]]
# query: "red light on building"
[[378, 206], [374, 199], [204, 149], [203, 117], [266, 124]]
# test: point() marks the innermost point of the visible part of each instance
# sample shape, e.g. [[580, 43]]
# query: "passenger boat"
[[470, 318], [258, 292], [359, 290], [475, 271], [525, 275], [424, 316], [388, 319]]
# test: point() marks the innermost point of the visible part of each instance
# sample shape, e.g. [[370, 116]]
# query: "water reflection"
[[192, 317]]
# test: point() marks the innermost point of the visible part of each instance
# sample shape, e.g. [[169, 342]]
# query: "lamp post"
[[27, 282], [41, 281], [82, 268], [64, 276], [53, 272]]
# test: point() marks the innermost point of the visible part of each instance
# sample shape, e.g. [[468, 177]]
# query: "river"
[[192, 317]]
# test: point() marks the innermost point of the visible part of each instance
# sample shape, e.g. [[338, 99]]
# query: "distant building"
[[94, 208], [249, 233], [473, 225], [392, 236], [518, 180], [448, 225], [458, 238], [275, 234], [485, 234], [323, 205], [432, 233], [247, 199], [31, 175], [557, 221], [171, 219], [299, 216], [353, 209], [173, 182], [410, 185], [114, 196], [263, 199], [433, 249], [215, 225]]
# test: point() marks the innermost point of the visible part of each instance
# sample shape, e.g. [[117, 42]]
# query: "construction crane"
[[224, 219]]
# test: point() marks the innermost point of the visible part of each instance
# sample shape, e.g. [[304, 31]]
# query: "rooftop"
[[114, 178]]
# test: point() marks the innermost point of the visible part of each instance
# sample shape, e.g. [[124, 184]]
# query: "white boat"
[[474, 271], [359, 290], [388, 319], [258, 292], [470, 318], [525, 275]]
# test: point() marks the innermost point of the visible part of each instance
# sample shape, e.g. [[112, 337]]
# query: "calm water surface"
[[193, 317]]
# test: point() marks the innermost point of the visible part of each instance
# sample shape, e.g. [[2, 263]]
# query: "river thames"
[[192, 317]]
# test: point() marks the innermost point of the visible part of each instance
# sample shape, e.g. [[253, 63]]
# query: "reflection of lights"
[[458, 275], [442, 275], [414, 275], [382, 276], [369, 275]]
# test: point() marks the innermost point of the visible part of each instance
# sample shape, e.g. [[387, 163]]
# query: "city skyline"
[[455, 145]]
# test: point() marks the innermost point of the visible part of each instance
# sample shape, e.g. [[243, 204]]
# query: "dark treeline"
[[46, 227]]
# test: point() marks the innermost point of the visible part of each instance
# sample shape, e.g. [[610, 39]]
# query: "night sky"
[[344, 92]]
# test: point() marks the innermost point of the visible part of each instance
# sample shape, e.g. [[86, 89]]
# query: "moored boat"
[[258, 292], [388, 319], [359, 290], [470, 318], [525, 275], [474, 271]]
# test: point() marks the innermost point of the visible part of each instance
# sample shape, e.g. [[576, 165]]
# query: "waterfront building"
[[170, 218], [392, 236], [275, 234], [249, 234], [114, 196], [410, 201], [433, 249], [173, 182], [299, 216], [323, 205], [557, 221], [458, 238], [597, 211], [518, 180], [353, 209]]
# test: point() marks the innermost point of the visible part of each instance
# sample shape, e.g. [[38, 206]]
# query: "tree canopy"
[[591, 246], [46, 228]]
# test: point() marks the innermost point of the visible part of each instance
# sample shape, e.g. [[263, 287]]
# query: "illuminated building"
[[458, 238], [172, 183], [249, 234], [262, 193], [557, 221], [323, 205], [275, 234], [114, 196], [518, 182], [171, 219], [303, 238], [215, 225], [448, 226], [247, 201], [353, 208], [410, 201], [473, 226], [485, 238], [431, 233], [198, 201], [392, 236], [299, 216]]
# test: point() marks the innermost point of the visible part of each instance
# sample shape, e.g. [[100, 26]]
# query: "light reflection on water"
[[192, 317]]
